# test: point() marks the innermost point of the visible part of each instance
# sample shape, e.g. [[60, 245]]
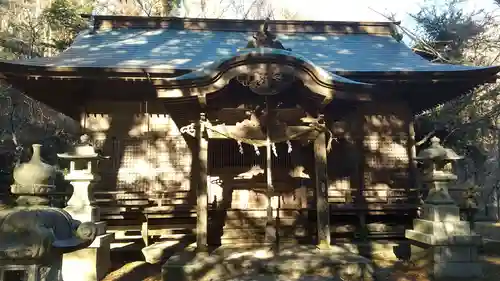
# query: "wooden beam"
[[219, 132], [322, 209], [200, 158], [291, 116]]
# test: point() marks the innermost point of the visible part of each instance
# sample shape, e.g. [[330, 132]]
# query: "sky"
[[359, 10], [328, 10], [341, 10], [366, 10]]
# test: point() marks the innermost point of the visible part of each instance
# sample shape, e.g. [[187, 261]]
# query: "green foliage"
[[468, 124], [458, 37], [448, 29], [32, 30], [63, 18], [22, 29]]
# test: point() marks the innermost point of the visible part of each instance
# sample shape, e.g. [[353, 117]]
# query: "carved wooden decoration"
[[265, 39], [266, 83]]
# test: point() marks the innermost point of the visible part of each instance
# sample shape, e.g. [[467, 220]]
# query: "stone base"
[[84, 214], [440, 213], [31, 272], [448, 261], [291, 263], [89, 264], [443, 244]]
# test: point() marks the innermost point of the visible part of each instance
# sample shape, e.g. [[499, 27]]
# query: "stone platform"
[[289, 263], [264, 277], [488, 230], [444, 244]]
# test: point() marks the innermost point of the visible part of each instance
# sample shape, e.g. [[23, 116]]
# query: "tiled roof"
[[193, 49], [215, 68]]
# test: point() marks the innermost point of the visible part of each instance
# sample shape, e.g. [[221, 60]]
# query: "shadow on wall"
[[149, 156], [26, 121]]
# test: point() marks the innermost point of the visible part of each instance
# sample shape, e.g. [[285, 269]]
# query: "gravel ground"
[[129, 270]]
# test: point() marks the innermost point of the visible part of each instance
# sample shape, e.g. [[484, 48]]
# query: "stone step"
[[430, 239], [488, 230], [289, 262], [490, 246], [102, 226], [157, 252], [441, 228]]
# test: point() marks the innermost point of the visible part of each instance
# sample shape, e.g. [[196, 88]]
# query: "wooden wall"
[[151, 159], [371, 189]]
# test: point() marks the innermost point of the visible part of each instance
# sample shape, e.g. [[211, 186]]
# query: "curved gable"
[[263, 62]]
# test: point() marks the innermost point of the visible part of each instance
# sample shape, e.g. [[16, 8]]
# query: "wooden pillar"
[[270, 232], [360, 180], [412, 153], [322, 208], [200, 159], [413, 173]]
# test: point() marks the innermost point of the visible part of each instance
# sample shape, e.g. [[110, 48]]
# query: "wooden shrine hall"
[[243, 131]]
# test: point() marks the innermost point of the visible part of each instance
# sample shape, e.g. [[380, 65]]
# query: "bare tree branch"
[[425, 138]]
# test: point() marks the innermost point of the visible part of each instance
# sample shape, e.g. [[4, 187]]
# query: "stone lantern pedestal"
[[439, 239], [93, 262]]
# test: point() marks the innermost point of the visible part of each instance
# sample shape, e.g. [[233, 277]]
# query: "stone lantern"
[[93, 262], [34, 240], [82, 174], [439, 239], [437, 172], [34, 236]]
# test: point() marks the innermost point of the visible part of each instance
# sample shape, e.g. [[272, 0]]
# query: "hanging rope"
[[260, 143], [313, 126]]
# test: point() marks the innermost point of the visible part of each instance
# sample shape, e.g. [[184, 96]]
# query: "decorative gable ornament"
[[265, 39], [266, 82]]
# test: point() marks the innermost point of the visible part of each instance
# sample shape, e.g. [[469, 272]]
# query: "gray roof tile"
[[191, 49]]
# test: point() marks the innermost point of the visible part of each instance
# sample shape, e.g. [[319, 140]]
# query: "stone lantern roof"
[[437, 152], [83, 150]]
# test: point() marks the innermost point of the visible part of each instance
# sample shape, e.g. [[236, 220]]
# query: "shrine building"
[[245, 131]]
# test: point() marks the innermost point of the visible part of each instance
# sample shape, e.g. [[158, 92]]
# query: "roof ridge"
[[239, 25]]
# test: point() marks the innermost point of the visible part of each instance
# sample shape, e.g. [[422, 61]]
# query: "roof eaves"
[[466, 73], [29, 70]]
